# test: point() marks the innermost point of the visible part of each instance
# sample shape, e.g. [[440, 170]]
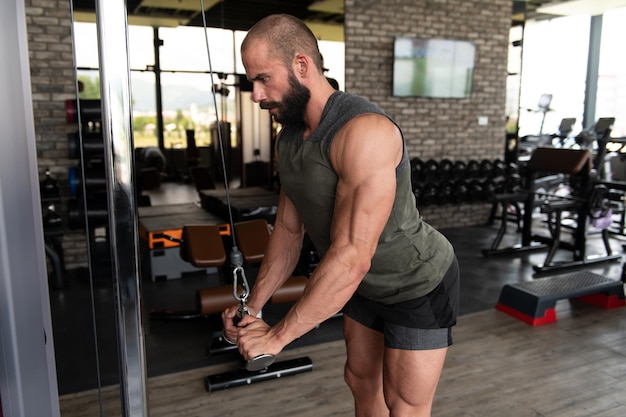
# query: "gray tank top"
[[411, 257]]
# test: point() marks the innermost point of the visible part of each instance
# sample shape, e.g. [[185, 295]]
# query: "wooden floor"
[[498, 366]]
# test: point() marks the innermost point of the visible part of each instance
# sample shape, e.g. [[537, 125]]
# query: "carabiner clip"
[[238, 272]]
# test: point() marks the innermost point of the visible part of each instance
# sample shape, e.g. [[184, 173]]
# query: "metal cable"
[[236, 262]]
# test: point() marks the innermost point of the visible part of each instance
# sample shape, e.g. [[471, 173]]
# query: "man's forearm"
[[279, 262], [332, 284]]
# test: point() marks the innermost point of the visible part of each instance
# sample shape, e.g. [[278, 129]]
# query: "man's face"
[[275, 86], [290, 109]]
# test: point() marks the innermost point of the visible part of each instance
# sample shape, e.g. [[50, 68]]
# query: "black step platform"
[[533, 301], [241, 376]]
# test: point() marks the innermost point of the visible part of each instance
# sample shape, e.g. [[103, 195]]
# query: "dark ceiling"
[[242, 14], [227, 14], [325, 17]]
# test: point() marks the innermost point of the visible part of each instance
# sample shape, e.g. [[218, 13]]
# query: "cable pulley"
[[239, 276]]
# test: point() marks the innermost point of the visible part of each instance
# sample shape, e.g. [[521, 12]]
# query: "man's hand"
[[229, 328], [255, 337]]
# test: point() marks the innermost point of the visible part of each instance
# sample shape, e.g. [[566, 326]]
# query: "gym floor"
[[177, 345]]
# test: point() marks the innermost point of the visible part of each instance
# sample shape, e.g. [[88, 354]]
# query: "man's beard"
[[293, 105]]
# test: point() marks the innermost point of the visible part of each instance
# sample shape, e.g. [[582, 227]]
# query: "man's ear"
[[301, 64]]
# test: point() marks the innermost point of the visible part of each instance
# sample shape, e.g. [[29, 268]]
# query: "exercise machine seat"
[[214, 300], [252, 237], [290, 291], [561, 161], [202, 246]]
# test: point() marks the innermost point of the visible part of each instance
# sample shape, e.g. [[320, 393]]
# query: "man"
[[345, 179]]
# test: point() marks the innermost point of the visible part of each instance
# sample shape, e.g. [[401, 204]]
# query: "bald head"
[[285, 36]]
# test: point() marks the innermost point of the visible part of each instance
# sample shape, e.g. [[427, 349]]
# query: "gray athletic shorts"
[[420, 324]]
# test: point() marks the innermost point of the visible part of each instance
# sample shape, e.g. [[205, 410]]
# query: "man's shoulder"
[[343, 98], [345, 106]]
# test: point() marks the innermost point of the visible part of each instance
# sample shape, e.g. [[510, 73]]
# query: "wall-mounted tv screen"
[[439, 68]]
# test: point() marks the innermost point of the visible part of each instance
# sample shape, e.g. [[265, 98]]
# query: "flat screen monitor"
[[567, 125], [438, 68], [604, 125], [544, 102]]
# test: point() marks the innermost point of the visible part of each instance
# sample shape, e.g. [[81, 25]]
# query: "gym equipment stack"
[[87, 181], [459, 182]]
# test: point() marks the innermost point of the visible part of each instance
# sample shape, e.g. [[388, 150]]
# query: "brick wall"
[[435, 128], [53, 82]]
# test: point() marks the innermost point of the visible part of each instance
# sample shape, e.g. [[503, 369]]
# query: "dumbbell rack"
[[87, 182], [459, 182], [53, 227]]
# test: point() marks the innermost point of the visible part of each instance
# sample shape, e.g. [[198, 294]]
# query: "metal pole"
[[28, 378], [593, 64], [157, 83], [123, 236]]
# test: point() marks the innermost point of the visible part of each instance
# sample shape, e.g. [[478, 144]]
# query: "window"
[[143, 97], [611, 99], [188, 104], [514, 67], [554, 62], [185, 78], [184, 49]]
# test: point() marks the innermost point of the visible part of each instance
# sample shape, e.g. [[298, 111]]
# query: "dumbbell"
[[417, 170], [94, 179], [458, 170], [431, 170], [511, 168], [485, 169], [474, 190], [513, 183], [445, 193], [446, 169], [459, 192], [488, 189], [499, 168], [472, 170], [92, 145], [97, 213], [500, 184], [428, 196], [418, 191]]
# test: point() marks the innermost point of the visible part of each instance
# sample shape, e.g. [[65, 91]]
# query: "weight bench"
[[554, 210], [534, 302], [506, 200], [543, 161], [576, 164], [579, 163]]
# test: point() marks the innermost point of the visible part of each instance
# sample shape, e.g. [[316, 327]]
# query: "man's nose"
[[257, 93]]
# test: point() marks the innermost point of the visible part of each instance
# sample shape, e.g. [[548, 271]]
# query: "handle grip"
[[259, 362]]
